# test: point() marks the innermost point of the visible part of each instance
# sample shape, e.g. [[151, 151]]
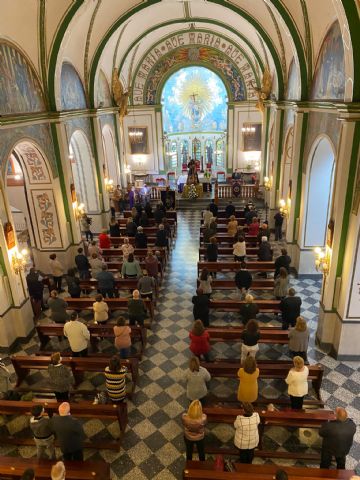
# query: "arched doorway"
[[320, 177], [195, 118], [83, 170], [112, 166]]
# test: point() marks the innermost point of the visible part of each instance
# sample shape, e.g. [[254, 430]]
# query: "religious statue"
[[263, 93], [192, 173], [121, 98]]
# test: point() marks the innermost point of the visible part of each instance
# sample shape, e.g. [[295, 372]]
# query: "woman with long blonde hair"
[[299, 339], [297, 380], [194, 430]]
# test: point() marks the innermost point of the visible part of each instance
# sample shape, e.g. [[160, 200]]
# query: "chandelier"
[[323, 260], [136, 135], [248, 128], [19, 260]]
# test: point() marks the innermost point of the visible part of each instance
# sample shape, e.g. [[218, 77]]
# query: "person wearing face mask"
[[61, 378]]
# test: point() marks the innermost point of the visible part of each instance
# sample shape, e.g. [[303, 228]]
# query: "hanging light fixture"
[[323, 260], [248, 128], [135, 134], [19, 260]]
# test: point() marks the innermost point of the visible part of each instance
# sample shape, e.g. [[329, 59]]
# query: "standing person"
[[239, 249], [281, 284], [58, 471], [126, 248], [229, 209], [279, 219], [94, 248], [159, 214], [213, 208], [243, 279], [264, 232], [200, 341], [254, 227], [122, 333], [104, 239], [265, 252], [136, 309], [131, 227], [131, 268], [282, 261], [61, 377], [36, 290], [161, 237], [40, 426], [57, 271], [115, 380], [106, 282], [82, 264], [299, 339], [78, 336], [96, 264], [148, 210], [247, 433], [207, 215], [146, 285], [248, 375], [337, 438], [69, 433], [5, 383], [205, 281], [232, 226], [196, 378], [248, 310], [101, 310], [290, 309], [58, 308], [297, 380], [201, 306], [140, 238], [85, 223], [114, 227], [152, 264], [250, 337], [209, 232], [194, 422], [212, 250], [144, 220]]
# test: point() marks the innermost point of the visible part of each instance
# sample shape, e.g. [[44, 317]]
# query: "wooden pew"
[[234, 266], [149, 231], [138, 334], [196, 470], [86, 303], [126, 284], [228, 251], [139, 253], [171, 221], [169, 214], [223, 229], [113, 265], [227, 305], [268, 370], [13, 467], [222, 220], [269, 335], [257, 284], [79, 365], [225, 238], [116, 241]]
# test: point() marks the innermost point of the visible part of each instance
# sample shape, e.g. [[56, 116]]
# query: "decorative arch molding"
[[193, 47]]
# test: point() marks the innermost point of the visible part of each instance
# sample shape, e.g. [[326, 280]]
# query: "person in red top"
[[254, 227], [104, 239], [200, 341]]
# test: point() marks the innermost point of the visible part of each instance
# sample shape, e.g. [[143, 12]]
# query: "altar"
[[204, 184]]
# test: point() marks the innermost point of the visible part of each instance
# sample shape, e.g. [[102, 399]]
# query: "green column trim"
[[96, 156], [55, 50], [267, 125], [280, 149], [61, 176], [42, 42], [348, 198], [352, 14], [299, 179], [118, 144]]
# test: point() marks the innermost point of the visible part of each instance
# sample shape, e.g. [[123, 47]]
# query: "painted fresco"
[[20, 90], [205, 56], [46, 218], [103, 91], [329, 77], [35, 165], [194, 100], [293, 85], [72, 90]]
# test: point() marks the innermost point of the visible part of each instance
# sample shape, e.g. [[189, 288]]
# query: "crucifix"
[[193, 96]]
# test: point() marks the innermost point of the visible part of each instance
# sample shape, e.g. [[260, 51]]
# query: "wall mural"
[[20, 90], [103, 91], [72, 90], [293, 83], [35, 165], [329, 78], [46, 218], [194, 99]]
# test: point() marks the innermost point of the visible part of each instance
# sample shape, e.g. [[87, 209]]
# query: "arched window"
[[220, 153]]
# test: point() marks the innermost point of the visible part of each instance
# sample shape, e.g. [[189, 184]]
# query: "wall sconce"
[[267, 183], [285, 207], [109, 184], [79, 210], [322, 260], [19, 260], [127, 169]]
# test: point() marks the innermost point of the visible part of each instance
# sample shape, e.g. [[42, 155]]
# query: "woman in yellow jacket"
[[232, 226], [248, 375]]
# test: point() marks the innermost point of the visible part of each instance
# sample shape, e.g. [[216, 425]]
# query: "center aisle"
[[154, 444]]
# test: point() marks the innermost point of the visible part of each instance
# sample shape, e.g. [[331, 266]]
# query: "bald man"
[[337, 439], [69, 432]]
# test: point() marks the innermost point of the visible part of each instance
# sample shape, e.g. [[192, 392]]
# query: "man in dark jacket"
[[279, 219], [337, 439], [106, 282], [140, 238], [229, 210], [201, 307], [36, 290], [282, 261], [290, 309], [159, 214], [212, 250], [243, 278], [161, 238], [82, 264], [40, 424], [69, 433], [213, 208], [265, 252], [136, 309]]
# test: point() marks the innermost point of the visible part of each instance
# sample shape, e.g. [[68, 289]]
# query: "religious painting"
[[20, 90], [35, 165], [9, 235], [293, 83], [46, 218], [138, 140], [252, 139], [72, 90], [329, 77], [104, 98]]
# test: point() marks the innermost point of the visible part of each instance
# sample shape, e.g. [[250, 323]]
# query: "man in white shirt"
[[207, 215], [78, 336]]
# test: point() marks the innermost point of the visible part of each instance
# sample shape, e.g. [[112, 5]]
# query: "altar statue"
[[192, 173]]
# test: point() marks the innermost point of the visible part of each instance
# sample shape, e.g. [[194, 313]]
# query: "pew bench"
[[114, 265], [121, 284], [258, 266], [257, 284], [269, 335], [13, 467], [223, 228], [231, 305], [228, 251], [226, 238], [139, 253], [171, 214]]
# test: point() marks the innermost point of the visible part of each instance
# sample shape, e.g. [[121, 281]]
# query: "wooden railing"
[[226, 191]]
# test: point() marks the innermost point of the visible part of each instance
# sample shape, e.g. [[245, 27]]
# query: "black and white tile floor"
[[153, 445]]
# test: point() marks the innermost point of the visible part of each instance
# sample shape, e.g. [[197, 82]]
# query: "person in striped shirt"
[[115, 378]]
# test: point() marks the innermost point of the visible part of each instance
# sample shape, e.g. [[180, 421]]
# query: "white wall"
[[243, 114]]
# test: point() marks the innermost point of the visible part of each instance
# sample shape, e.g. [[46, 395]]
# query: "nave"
[[153, 445]]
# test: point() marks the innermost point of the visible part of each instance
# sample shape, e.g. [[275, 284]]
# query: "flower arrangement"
[[192, 192]]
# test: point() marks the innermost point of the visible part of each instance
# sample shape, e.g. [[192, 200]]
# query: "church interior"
[[140, 114]]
